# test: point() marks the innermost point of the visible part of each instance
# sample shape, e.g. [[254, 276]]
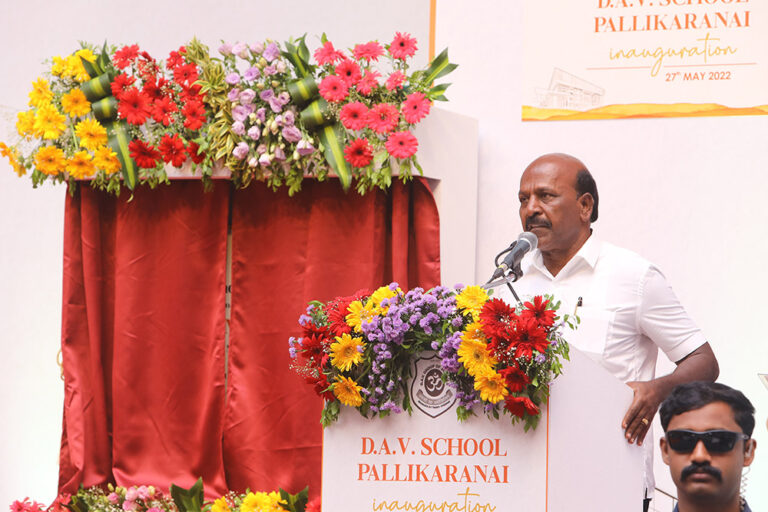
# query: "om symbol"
[[433, 384]]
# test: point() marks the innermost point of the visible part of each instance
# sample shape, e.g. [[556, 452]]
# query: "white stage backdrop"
[[688, 193]]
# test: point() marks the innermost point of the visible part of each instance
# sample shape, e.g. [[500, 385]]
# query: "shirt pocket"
[[592, 333]]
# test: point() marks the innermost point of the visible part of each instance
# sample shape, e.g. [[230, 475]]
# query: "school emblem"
[[429, 393]]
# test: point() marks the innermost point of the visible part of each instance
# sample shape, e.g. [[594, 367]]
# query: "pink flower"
[[113, 498], [402, 46], [415, 107], [368, 83], [129, 506], [358, 153], [395, 80], [370, 51], [383, 118], [327, 54], [18, 506], [131, 494], [143, 490], [354, 116], [314, 505], [333, 88], [349, 71], [402, 144]]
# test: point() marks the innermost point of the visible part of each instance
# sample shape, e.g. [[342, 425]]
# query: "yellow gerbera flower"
[[106, 160], [76, 69], [59, 66], [473, 331], [50, 160], [359, 313], [471, 300], [262, 502], [25, 123], [13, 158], [40, 94], [75, 103], [473, 354], [86, 54], [49, 122], [348, 392], [346, 351], [91, 133], [491, 387], [379, 295], [220, 505], [80, 165]]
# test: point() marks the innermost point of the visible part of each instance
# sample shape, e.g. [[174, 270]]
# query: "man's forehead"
[[551, 172], [713, 416]]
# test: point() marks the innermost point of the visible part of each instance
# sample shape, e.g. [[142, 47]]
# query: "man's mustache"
[[701, 468], [535, 222]]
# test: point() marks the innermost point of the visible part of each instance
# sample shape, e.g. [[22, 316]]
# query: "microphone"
[[526, 242]]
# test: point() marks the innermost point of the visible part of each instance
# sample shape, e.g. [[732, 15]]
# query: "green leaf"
[[188, 500], [295, 502]]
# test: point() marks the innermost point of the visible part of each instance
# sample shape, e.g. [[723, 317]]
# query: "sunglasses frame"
[[706, 438]]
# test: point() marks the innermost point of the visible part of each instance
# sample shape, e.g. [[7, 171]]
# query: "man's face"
[[701, 476], [549, 204]]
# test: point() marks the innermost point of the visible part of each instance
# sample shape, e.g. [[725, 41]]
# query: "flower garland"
[[118, 116], [358, 350]]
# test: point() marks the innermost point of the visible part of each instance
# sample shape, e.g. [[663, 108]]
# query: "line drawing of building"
[[569, 92]]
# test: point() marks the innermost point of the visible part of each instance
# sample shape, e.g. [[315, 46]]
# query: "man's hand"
[[640, 414]]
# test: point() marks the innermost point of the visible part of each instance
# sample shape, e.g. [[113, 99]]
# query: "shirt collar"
[[589, 253]]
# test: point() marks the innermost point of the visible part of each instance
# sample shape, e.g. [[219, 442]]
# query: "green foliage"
[[188, 500]]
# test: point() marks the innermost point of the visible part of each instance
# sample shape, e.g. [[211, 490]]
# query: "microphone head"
[[530, 238]]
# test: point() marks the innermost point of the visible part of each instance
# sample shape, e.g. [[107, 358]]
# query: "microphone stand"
[[510, 277]]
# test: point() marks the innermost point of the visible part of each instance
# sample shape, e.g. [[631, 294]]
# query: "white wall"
[[31, 221], [689, 194]]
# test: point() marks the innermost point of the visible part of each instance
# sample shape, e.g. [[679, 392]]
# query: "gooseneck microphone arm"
[[509, 269]]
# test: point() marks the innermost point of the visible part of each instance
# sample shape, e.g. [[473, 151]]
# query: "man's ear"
[[749, 451], [586, 204], [665, 450]]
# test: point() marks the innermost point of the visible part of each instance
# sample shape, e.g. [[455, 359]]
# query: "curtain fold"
[[320, 244]]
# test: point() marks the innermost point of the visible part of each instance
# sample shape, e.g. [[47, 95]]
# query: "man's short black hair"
[[695, 395], [585, 184]]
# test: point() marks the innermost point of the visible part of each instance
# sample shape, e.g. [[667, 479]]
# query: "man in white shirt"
[[627, 309]]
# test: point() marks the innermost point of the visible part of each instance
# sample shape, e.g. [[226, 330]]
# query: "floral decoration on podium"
[[358, 350]]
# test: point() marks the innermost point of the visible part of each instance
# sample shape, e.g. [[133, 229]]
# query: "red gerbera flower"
[[539, 312], [120, 84], [520, 406], [515, 379], [415, 107], [395, 81], [162, 110], [125, 55], [133, 106], [402, 46], [349, 71], [368, 83], [193, 148], [383, 118], [191, 93], [333, 88], [527, 337], [370, 51], [154, 90], [336, 311], [402, 144], [176, 58], [185, 74], [145, 155], [172, 149], [327, 54], [354, 116], [498, 320], [321, 385], [194, 111], [358, 153]]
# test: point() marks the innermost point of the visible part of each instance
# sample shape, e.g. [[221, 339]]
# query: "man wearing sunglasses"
[[627, 309], [707, 442]]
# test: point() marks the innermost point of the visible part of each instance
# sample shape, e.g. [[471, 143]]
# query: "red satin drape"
[[143, 334]]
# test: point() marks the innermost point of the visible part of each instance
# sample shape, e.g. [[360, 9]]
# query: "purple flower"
[[251, 74], [233, 94], [261, 149], [304, 320], [275, 104], [265, 160], [271, 52], [292, 352], [240, 113], [254, 132], [238, 128], [257, 48], [232, 78], [292, 134], [247, 96], [280, 156], [304, 147], [540, 358], [289, 118], [240, 151], [253, 161], [261, 114], [240, 49], [284, 98], [270, 70], [225, 49], [281, 67], [267, 94]]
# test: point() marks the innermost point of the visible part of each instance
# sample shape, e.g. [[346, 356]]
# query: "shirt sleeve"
[[663, 319]]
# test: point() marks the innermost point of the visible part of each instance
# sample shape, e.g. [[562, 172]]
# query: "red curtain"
[[144, 329]]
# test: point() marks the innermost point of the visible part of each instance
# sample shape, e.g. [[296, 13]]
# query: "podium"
[[576, 460]]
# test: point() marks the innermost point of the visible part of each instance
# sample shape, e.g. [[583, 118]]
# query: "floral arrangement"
[[118, 116], [358, 350], [145, 498]]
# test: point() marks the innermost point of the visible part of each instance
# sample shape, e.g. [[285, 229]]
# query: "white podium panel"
[[577, 459]]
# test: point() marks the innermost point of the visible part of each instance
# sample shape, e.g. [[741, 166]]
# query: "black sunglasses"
[[715, 441]]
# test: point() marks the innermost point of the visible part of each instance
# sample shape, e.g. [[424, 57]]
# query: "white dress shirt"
[[626, 310]]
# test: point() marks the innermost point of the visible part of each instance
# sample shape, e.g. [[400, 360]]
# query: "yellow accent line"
[[331, 134], [316, 114], [302, 89], [432, 15], [97, 86]]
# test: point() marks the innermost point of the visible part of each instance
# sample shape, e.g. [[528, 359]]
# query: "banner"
[[610, 59]]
